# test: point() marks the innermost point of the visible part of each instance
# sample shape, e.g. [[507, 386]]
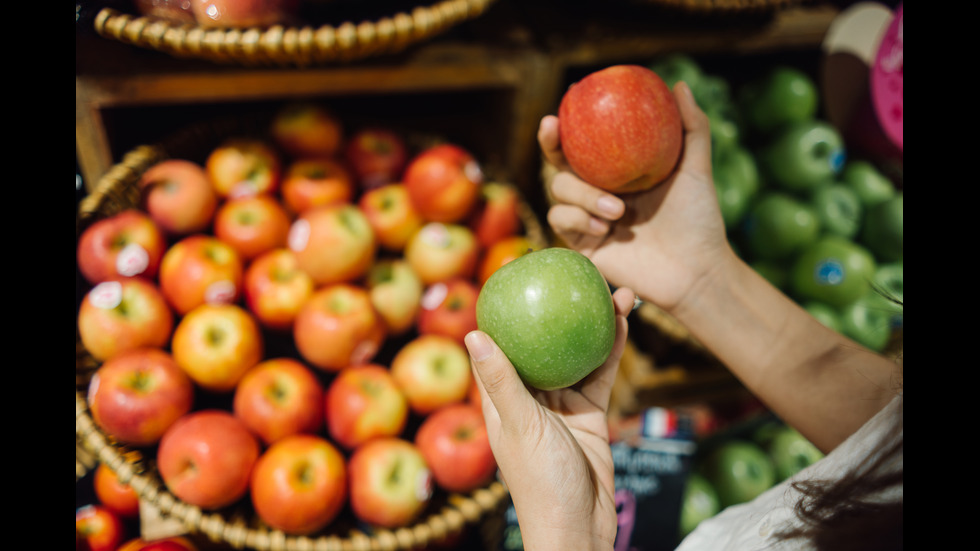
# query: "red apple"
[[178, 196], [316, 181], [498, 213], [135, 396], [305, 129], [120, 315], [433, 371], [252, 225], [243, 167], [502, 252], [444, 183], [215, 344], [391, 214], [279, 397], [299, 485], [449, 309], [439, 252], [396, 293], [390, 483], [377, 156], [206, 458], [113, 494], [99, 528], [127, 244], [200, 269], [620, 128], [275, 289], [334, 244], [362, 403], [339, 327], [453, 440], [242, 13]]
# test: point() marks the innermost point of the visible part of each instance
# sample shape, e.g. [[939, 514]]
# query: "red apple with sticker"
[[120, 315], [136, 396], [377, 156], [362, 403], [307, 129], [392, 215], [242, 167], [498, 214], [127, 244], [216, 344], [279, 397], [449, 309], [444, 183], [114, 494], [390, 483], [316, 181], [333, 244], [439, 252], [200, 269], [339, 327], [252, 225], [454, 442], [396, 293], [433, 371], [178, 196], [98, 528], [276, 288], [620, 129], [502, 252], [206, 458]]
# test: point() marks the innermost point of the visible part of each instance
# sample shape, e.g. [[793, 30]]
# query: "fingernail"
[[478, 345], [608, 206]]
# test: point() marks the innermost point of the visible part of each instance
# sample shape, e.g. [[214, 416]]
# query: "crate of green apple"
[[275, 332]]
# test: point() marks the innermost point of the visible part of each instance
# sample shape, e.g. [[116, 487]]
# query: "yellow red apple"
[[136, 396], [339, 327], [275, 289], [396, 293], [206, 458], [97, 528], [433, 371], [252, 225], [439, 252], [200, 269], [120, 315], [307, 129], [453, 440], [391, 214], [242, 13], [127, 244], [363, 402], [243, 167], [316, 181], [444, 183], [449, 309], [498, 213], [500, 253], [390, 482], [299, 484], [113, 494], [377, 156], [279, 397], [333, 244], [215, 344], [178, 196]]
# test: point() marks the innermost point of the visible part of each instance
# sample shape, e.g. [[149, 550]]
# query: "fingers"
[[550, 142], [598, 386], [501, 388], [581, 208], [697, 127]]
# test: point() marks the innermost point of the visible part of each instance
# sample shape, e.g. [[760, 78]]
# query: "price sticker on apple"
[[106, 295], [423, 485], [299, 235], [829, 272], [132, 260], [220, 292], [434, 295]]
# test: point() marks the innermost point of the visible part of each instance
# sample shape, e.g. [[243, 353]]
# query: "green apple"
[[713, 93], [783, 96], [698, 502], [883, 229], [869, 183], [677, 67], [834, 270], [824, 313], [739, 470], [868, 321], [889, 289], [804, 155], [839, 209], [725, 133], [790, 452], [735, 193], [778, 226], [551, 312]]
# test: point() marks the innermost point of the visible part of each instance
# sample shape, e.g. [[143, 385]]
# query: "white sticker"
[[363, 352], [436, 234], [106, 295], [132, 260], [473, 172], [220, 292], [299, 235], [434, 296], [423, 485], [245, 188]]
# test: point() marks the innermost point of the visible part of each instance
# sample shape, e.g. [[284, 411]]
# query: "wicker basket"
[[280, 45]]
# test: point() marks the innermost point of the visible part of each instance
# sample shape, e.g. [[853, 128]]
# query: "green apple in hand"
[[804, 155], [783, 96], [839, 209], [698, 502], [739, 471], [869, 183], [834, 270], [883, 229], [778, 226], [791, 452]]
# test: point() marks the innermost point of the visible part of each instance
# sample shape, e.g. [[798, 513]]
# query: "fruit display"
[[277, 328]]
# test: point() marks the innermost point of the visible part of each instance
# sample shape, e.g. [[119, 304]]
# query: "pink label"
[[106, 295], [887, 87]]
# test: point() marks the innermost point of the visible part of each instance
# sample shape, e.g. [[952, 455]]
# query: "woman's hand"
[[552, 447]]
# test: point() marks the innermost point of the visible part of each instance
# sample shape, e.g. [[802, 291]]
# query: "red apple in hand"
[[113, 494], [498, 213], [200, 269], [453, 440], [316, 181], [178, 196], [243, 167], [439, 252], [501, 253], [433, 371], [136, 396], [390, 483], [339, 327], [449, 309], [299, 485], [362, 403], [334, 244], [215, 344], [444, 183], [620, 129], [275, 288], [377, 156], [305, 129], [120, 315], [206, 458], [128, 244], [396, 293], [391, 214], [99, 528], [279, 397]]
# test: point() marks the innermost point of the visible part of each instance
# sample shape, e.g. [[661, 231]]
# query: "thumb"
[[499, 384]]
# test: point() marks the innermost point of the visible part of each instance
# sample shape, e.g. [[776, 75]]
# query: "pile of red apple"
[[281, 325]]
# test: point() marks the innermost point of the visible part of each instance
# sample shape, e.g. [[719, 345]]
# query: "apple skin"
[[252, 225], [551, 313], [127, 244], [502, 252], [883, 229], [275, 289], [433, 371], [299, 484], [200, 269], [206, 458], [804, 155], [339, 327], [869, 183], [396, 293], [279, 397], [120, 315], [454, 442], [790, 452], [242, 13], [391, 214], [444, 182], [779, 226], [305, 129], [783, 96], [99, 528], [377, 156], [698, 502], [136, 396], [449, 309], [739, 471], [241, 167], [620, 128], [439, 252], [316, 181], [173, 543], [390, 482], [215, 344], [362, 403], [178, 196], [497, 215], [839, 209], [678, 67], [114, 495], [834, 270], [333, 244]]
